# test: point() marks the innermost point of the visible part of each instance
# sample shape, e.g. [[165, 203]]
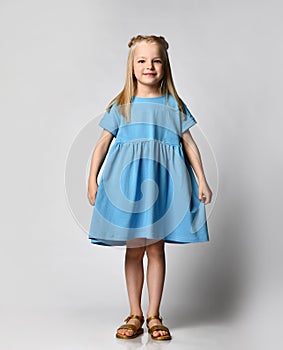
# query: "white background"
[[61, 62]]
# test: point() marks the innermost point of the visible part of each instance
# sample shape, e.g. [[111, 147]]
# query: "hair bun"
[[164, 42]]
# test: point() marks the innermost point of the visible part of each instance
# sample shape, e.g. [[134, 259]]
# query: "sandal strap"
[[140, 318], [131, 327], [150, 318], [158, 328]]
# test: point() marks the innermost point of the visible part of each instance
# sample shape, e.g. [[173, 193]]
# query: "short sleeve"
[[189, 121], [110, 121]]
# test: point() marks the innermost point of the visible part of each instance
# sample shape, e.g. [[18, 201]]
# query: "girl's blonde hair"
[[167, 86]]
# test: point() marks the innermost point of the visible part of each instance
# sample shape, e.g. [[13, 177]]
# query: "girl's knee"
[[135, 253], [155, 250]]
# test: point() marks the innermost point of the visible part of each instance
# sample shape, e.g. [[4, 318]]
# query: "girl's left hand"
[[204, 192]]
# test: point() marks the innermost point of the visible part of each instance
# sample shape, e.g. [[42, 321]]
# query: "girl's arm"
[[97, 160], [194, 157]]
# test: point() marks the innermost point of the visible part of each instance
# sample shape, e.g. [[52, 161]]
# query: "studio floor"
[[84, 329]]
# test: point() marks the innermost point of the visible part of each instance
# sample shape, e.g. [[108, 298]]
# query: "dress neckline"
[[148, 98]]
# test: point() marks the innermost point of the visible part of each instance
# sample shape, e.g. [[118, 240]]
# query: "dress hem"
[[123, 243]]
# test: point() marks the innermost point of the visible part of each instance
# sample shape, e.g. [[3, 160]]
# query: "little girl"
[[148, 193]]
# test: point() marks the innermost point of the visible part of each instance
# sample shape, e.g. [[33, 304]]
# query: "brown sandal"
[[132, 327], [158, 328]]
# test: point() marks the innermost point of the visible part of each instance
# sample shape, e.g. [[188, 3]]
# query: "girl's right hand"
[[91, 194]]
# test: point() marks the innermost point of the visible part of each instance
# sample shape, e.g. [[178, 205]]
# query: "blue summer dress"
[[148, 188]]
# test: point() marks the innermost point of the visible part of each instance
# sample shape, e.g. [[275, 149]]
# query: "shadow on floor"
[[210, 288]]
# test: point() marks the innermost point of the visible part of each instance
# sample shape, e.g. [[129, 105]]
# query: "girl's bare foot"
[[157, 333], [129, 332]]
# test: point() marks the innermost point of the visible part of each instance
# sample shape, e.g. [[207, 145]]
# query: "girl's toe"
[[129, 333], [159, 333]]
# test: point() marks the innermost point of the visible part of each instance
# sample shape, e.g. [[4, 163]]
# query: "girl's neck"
[[148, 91]]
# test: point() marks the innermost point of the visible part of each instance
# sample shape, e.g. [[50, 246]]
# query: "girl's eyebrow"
[[146, 57]]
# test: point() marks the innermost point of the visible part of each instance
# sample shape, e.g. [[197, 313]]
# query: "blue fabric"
[[148, 188]]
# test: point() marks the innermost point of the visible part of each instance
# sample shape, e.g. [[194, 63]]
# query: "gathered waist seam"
[[141, 140]]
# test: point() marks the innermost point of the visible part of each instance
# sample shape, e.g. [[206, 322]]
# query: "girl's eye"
[[155, 61]]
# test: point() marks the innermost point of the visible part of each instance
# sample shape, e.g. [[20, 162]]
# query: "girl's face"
[[148, 64]]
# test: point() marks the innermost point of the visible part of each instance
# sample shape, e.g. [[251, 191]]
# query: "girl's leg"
[[134, 280], [155, 281]]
